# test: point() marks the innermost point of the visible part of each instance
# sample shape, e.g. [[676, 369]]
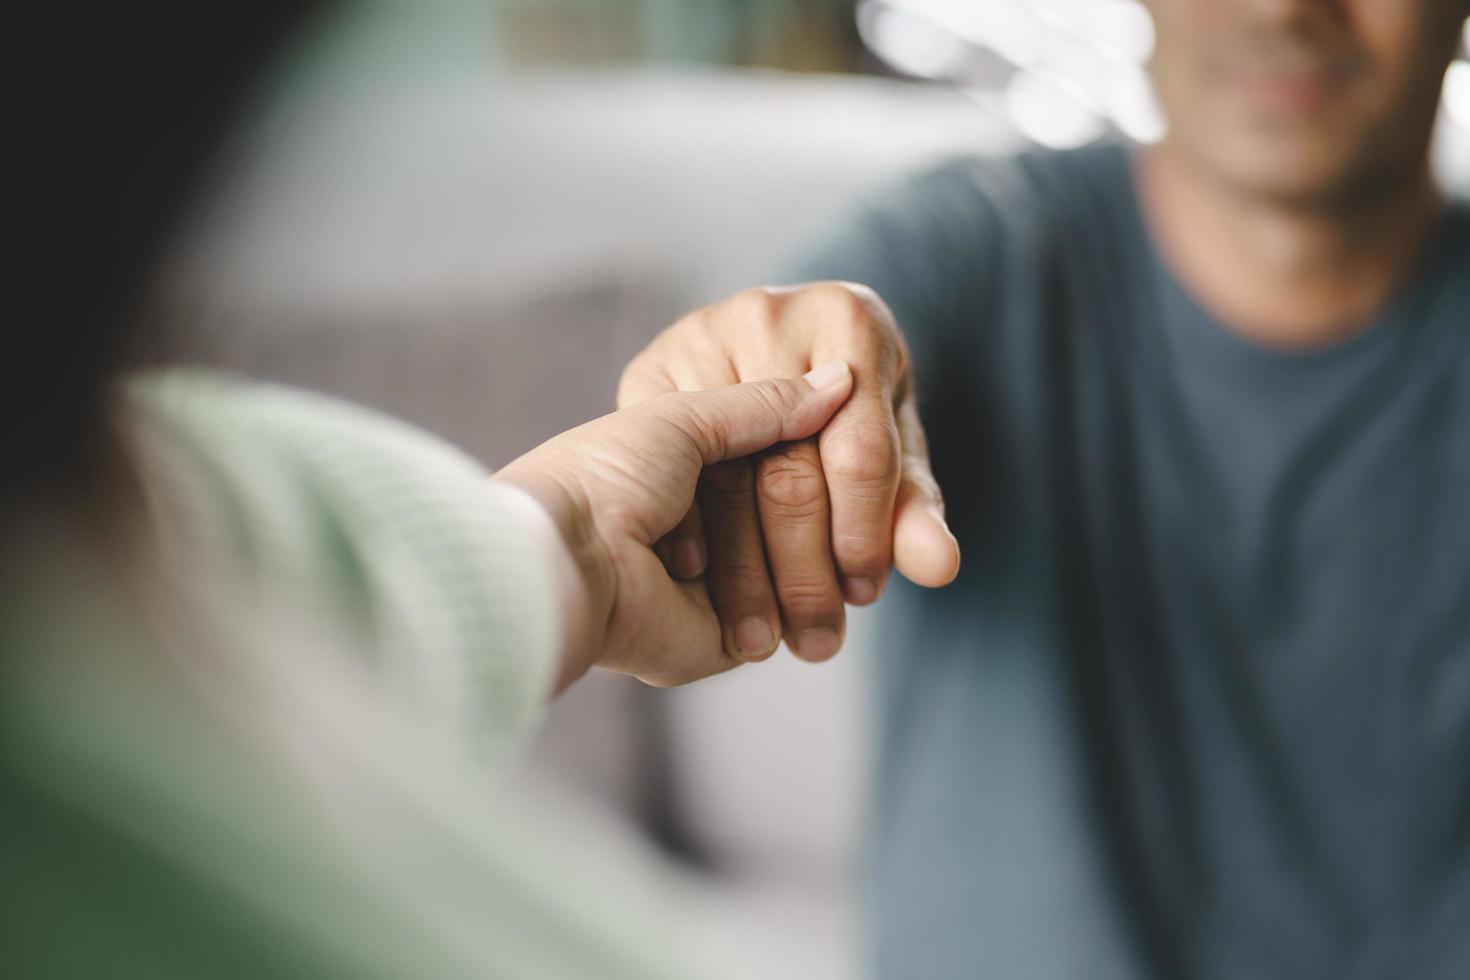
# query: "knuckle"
[[858, 305], [806, 598], [690, 430], [740, 575], [874, 306], [861, 554], [862, 454], [842, 300], [758, 305], [860, 319], [792, 483], [772, 397]]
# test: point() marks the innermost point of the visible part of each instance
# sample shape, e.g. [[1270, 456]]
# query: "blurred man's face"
[[1304, 100]]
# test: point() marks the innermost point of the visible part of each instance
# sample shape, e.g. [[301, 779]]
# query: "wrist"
[[582, 569]]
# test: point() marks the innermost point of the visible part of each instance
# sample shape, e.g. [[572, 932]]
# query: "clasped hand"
[[766, 464]]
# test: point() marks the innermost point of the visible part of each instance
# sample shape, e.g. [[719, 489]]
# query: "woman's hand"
[[619, 484], [786, 537]]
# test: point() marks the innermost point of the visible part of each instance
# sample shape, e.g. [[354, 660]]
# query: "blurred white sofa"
[[481, 256]]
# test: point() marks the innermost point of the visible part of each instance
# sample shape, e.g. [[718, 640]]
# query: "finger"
[[679, 636], [795, 522], [739, 585], [737, 420], [924, 549], [859, 447], [683, 550], [860, 459]]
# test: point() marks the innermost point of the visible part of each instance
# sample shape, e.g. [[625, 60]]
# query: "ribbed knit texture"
[[284, 761]]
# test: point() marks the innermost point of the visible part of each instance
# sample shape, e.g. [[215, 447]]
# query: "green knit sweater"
[[271, 751]]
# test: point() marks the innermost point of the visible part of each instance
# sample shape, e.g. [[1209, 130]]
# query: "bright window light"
[[1127, 27], [1046, 113], [909, 43], [1134, 106], [1080, 63]]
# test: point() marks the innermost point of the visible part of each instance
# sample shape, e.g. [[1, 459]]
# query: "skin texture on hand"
[[782, 539], [619, 484]]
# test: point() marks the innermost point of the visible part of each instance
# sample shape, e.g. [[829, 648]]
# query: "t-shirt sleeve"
[[438, 579]]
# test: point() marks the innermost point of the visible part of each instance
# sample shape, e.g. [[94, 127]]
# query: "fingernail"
[[859, 591], [817, 644], [688, 558], [826, 375], [753, 637]]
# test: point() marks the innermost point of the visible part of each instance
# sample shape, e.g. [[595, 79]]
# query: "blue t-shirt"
[[1199, 704]]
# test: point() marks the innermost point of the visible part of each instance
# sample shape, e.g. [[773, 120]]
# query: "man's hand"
[[617, 485], [784, 538]]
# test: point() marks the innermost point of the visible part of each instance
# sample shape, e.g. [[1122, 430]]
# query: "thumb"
[[737, 420], [923, 548]]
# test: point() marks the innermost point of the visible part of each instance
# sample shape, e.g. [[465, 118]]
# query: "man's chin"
[[1306, 173]]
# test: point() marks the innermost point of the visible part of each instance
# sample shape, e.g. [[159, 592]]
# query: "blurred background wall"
[[472, 213]]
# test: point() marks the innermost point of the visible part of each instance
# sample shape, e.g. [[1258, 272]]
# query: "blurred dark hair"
[[123, 108]]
